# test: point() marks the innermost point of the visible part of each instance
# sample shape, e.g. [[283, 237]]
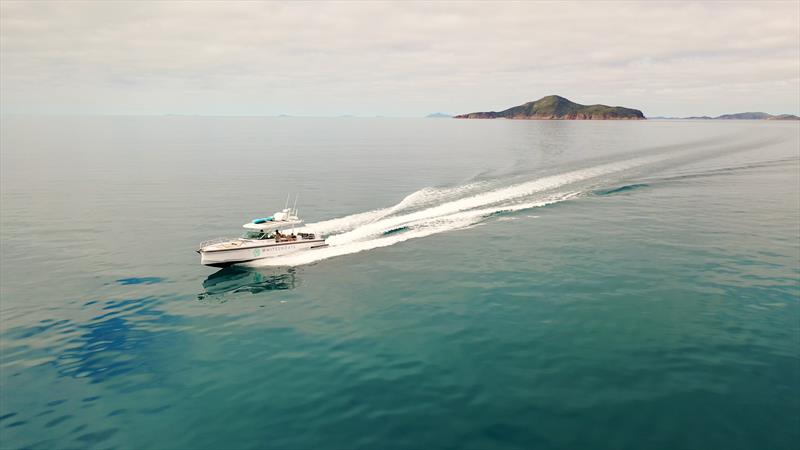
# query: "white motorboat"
[[263, 238]]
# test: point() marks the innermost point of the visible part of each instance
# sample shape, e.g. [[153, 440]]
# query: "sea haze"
[[490, 284]]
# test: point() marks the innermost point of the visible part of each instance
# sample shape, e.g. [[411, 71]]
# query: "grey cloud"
[[395, 58]]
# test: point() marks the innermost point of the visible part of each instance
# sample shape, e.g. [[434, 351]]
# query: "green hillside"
[[554, 107]]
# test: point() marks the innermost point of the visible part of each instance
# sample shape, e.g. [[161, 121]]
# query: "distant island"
[[554, 107], [755, 116], [739, 116], [439, 115]]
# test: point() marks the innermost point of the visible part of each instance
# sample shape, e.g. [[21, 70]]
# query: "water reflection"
[[110, 344], [109, 347], [233, 280]]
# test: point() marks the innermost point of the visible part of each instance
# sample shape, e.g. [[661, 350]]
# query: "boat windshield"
[[256, 235]]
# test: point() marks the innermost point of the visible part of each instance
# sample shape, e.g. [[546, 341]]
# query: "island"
[[554, 107], [738, 116], [756, 116]]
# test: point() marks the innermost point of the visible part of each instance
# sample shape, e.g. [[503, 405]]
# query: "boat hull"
[[228, 257]]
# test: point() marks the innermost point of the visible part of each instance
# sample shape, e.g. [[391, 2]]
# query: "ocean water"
[[489, 284]]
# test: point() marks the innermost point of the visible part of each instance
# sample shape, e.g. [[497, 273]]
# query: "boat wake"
[[431, 211]]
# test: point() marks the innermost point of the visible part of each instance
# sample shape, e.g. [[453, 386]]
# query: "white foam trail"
[[307, 257], [346, 223], [416, 199], [442, 210], [521, 190], [452, 222]]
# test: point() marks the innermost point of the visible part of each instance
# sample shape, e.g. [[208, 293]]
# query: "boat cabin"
[[261, 235]]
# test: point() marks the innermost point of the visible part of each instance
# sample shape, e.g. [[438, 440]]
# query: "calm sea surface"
[[489, 285]]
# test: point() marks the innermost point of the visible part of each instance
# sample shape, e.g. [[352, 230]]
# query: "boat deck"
[[235, 244]]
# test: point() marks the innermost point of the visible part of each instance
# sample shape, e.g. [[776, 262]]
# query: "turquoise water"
[[489, 285]]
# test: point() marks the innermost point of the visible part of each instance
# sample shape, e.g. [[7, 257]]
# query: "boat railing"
[[218, 240]]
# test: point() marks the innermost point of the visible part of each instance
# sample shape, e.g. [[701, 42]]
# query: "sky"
[[396, 59]]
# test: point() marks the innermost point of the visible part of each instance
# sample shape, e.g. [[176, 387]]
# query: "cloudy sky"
[[396, 59]]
